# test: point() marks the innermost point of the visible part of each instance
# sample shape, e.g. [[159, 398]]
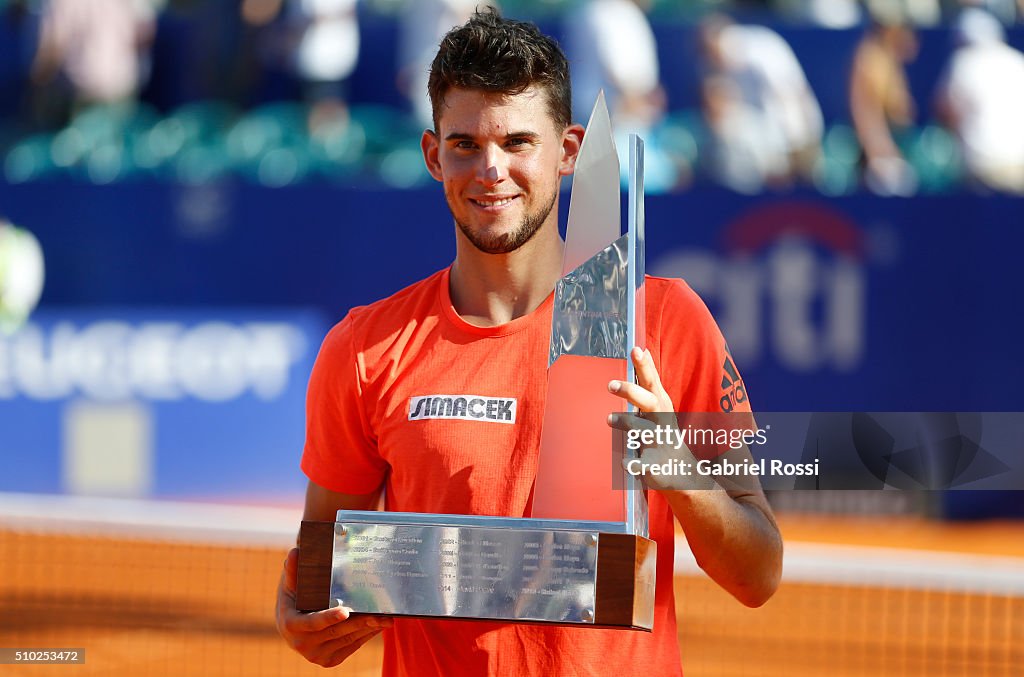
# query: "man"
[[769, 78], [881, 102], [502, 141], [101, 48], [981, 100]]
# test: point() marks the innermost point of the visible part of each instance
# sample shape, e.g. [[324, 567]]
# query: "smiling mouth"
[[492, 202]]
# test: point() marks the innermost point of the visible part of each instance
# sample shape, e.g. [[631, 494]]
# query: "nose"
[[493, 165]]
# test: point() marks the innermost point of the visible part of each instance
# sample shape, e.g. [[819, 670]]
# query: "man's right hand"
[[327, 637]]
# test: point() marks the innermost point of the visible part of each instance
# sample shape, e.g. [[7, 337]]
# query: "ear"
[[431, 146], [572, 139]]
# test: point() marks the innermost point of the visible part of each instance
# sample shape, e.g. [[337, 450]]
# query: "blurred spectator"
[[741, 150], [981, 99], [825, 13], [198, 52], [610, 46], [325, 55], [265, 62], [91, 52], [769, 79], [1007, 11], [306, 48], [424, 23], [880, 101], [914, 12]]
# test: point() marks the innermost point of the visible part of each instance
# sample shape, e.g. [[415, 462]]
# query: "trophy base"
[[583, 574]]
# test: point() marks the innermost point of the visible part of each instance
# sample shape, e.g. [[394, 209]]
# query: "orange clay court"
[[146, 607]]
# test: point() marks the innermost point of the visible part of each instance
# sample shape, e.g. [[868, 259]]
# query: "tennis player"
[[502, 141]]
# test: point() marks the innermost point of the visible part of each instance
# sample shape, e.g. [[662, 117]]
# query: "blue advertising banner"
[[856, 303], [187, 404]]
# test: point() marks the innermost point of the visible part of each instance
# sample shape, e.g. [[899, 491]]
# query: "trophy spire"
[[594, 202]]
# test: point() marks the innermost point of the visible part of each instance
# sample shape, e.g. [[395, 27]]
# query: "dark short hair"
[[500, 55]]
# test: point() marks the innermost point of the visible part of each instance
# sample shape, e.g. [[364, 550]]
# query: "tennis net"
[[178, 589]]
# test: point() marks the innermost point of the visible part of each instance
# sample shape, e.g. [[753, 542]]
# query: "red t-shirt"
[[369, 422]]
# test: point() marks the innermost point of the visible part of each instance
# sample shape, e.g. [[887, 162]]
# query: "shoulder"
[[374, 338], [678, 319], [673, 295], [368, 325], [690, 350]]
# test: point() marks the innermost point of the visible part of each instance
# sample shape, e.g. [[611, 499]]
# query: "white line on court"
[[804, 562], [144, 519], [860, 565]]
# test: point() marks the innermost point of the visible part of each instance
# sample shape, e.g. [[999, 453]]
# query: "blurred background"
[[192, 192]]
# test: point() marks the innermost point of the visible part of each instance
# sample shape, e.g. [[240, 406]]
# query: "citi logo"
[[791, 286], [470, 407]]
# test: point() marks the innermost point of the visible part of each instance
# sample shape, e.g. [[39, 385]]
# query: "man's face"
[[501, 159]]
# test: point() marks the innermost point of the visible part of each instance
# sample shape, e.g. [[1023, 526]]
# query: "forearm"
[[731, 531], [734, 539]]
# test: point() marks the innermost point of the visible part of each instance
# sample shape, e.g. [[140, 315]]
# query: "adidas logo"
[[469, 407], [732, 385]]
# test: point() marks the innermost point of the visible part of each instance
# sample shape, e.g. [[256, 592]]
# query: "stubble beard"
[[507, 243]]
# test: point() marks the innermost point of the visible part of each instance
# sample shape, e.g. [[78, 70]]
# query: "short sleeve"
[[695, 365], [340, 452]]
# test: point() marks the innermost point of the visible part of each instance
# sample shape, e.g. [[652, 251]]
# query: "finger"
[[358, 621], [627, 422], [291, 570], [286, 595], [646, 373], [354, 626], [325, 620], [295, 623], [636, 395], [335, 655]]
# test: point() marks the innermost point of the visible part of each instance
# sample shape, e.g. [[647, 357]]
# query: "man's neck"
[[492, 289]]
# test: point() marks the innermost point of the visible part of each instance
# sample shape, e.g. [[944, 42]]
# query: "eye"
[[517, 141], [465, 144]]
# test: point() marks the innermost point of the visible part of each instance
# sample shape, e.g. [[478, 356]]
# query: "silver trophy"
[[583, 556]]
